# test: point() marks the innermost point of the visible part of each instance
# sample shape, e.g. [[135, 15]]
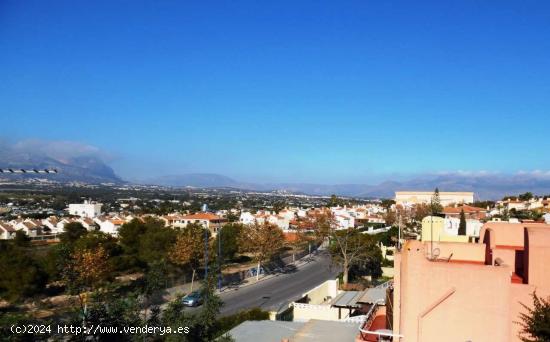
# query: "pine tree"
[[462, 225], [435, 204]]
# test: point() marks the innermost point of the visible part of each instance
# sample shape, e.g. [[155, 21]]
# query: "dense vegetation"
[[85, 264]]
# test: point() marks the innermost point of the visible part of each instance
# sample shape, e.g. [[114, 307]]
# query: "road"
[[274, 293]]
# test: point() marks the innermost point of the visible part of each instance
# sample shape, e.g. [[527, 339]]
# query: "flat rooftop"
[[311, 331]]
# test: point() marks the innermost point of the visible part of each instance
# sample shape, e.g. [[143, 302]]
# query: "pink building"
[[468, 291]]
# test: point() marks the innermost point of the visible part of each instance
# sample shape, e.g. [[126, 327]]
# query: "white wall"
[[85, 209]]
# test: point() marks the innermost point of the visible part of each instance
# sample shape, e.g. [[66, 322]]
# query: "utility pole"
[[219, 256], [205, 254], [204, 209], [431, 236]]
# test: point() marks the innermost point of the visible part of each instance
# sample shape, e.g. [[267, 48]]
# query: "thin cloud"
[[60, 150]]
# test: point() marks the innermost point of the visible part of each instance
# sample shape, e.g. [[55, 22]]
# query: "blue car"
[[192, 299]]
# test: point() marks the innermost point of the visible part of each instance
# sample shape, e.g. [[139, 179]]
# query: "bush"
[[229, 322], [387, 263], [21, 276]]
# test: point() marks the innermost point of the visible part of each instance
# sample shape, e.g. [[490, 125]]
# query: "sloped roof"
[[202, 216], [347, 299], [467, 209], [6, 227], [373, 295]]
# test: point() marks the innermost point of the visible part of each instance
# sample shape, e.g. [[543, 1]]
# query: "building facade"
[[86, 209], [409, 198]]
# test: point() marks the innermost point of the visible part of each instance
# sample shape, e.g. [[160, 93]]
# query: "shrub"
[[229, 322]]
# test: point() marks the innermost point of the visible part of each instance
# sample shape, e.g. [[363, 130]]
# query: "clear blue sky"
[[317, 91]]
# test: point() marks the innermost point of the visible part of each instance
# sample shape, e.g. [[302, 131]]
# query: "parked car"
[[192, 299]]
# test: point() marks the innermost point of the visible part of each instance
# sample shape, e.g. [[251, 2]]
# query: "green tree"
[[351, 248], [462, 224], [96, 239], [129, 236], [71, 232], [334, 201], [536, 322], [229, 236], [153, 282], [348, 247], [20, 275], [387, 203], [435, 203], [204, 325], [9, 319], [231, 217], [156, 243], [56, 261], [279, 205], [371, 261], [526, 196], [21, 239], [388, 238], [107, 308]]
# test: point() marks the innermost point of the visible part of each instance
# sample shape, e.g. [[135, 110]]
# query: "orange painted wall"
[[471, 307]]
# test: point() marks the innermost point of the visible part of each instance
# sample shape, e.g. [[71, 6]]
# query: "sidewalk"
[[173, 292]]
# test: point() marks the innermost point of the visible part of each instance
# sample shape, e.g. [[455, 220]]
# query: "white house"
[[52, 224], [344, 222], [473, 227], [61, 224], [174, 220], [246, 218], [86, 209], [28, 227], [109, 225], [6, 231], [88, 223], [287, 214], [207, 220], [302, 213]]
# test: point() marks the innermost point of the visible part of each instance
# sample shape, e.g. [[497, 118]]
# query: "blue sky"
[[305, 91]]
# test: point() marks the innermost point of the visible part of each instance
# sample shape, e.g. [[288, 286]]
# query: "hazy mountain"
[[492, 186], [199, 180], [86, 163], [82, 168], [485, 186]]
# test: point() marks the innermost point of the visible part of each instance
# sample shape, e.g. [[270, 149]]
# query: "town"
[[380, 253], [274, 171]]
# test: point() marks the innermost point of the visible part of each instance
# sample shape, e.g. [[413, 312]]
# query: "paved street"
[[275, 292]]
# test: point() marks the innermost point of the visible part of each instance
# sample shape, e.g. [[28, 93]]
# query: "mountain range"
[[485, 186], [92, 169], [88, 169]]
